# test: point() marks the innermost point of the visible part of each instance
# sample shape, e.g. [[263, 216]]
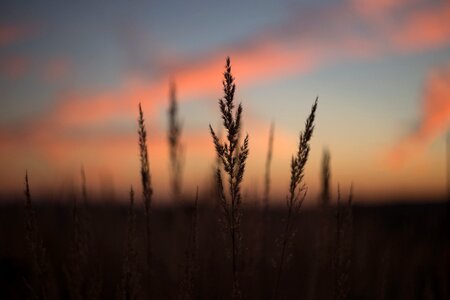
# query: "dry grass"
[[343, 247], [175, 147], [76, 271], [267, 167], [326, 174], [191, 266], [147, 190], [130, 283], [39, 287], [297, 194], [232, 156], [203, 272]]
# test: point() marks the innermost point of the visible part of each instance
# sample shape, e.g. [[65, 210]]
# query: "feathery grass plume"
[[187, 286], [326, 174], [130, 288], [175, 147], [147, 190], [232, 157], [40, 288], [297, 194], [343, 247]]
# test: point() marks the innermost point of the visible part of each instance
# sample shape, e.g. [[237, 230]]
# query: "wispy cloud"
[[56, 69], [14, 66], [305, 42], [434, 120], [13, 33]]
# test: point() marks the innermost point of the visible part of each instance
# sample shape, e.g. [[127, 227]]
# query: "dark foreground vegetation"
[[397, 252]]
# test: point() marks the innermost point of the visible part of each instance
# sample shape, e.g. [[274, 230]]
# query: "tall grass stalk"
[[78, 255], [130, 287], [93, 282], [147, 190], [83, 186], [38, 253], [297, 194], [265, 226], [326, 174], [187, 286], [175, 147], [233, 156], [267, 168], [342, 258]]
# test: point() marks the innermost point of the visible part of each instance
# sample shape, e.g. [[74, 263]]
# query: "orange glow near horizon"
[[74, 121]]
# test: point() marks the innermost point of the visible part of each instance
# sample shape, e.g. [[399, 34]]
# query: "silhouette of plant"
[[297, 194], [233, 156]]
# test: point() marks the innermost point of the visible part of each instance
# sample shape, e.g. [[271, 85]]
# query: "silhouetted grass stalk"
[[187, 287], [297, 194], [326, 173], [232, 157], [175, 147], [38, 252], [343, 247], [130, 287], [78, 255], [267, 167], [147, 190]]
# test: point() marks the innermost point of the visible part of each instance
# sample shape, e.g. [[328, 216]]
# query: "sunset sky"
[[72, 75]]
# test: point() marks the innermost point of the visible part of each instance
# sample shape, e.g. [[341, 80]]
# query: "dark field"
[[396, 252]]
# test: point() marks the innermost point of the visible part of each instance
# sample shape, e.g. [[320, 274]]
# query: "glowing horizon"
[[381, 70]]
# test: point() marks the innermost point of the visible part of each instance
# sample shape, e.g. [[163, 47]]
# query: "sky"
[[72, 75]]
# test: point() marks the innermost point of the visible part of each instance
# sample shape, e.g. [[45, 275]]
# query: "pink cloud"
[[434, 122], [56, 69], [14, 67], [266, 58], [377, 8], [423, 29], [271, 55], [12, 33]]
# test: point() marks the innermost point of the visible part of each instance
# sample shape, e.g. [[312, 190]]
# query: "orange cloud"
[[271, 55], [423, 29], [83, 109], [266, 58], [435, 119], [379, 7]]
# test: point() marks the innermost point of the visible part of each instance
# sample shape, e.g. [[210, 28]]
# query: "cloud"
[[56, 69], [425, 28], [14, 67], [378, 8], [13, 33], [289, 48], [299, 45], [434, 121]]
